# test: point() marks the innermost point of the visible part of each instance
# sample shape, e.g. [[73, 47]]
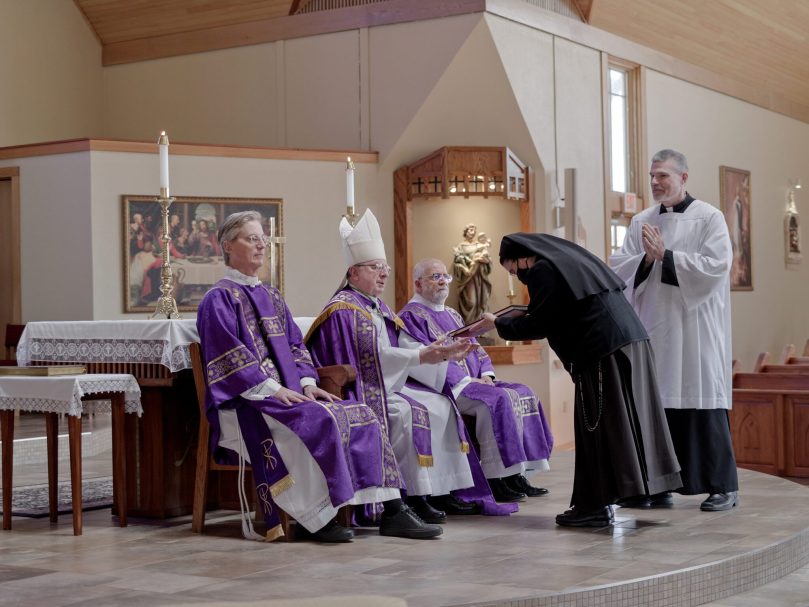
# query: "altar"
[[161, 453]]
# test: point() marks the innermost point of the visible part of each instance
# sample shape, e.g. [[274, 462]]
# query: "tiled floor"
[[681, 554]]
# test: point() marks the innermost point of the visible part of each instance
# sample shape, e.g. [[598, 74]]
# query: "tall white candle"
[[163, 144], [350, 185], [510, 283]]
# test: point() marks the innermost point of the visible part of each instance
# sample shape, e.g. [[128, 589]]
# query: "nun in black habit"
[[623, 446]]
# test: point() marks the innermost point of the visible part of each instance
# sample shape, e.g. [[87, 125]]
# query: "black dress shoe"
[[333, 532], [452, 505], [503, 493], [406, 523], [720, 501], [661, 500], [636, 501], [419, 505], [601, 517], [520, 484]]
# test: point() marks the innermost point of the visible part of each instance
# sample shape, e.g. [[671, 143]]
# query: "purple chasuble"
[[344, 334], [248, 335], [520, 428]]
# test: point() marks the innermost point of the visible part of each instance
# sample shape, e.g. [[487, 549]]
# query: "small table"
[[67, 394]]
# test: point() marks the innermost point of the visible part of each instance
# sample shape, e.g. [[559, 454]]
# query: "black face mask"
[[522, 275]]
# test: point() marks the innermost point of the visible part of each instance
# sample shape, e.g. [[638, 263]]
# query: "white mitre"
[[363, 242]]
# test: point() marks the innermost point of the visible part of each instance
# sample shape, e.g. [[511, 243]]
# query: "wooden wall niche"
[[453, 172]]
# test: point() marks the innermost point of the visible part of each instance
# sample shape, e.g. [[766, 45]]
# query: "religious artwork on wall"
[[792, 238], [472, 266], [734, 191], [194, 253]]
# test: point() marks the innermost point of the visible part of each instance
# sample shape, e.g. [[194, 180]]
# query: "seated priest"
[[509, 422], [397, 378], [310, 453]]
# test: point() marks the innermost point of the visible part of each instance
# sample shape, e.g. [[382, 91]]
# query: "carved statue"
[[472, 266]]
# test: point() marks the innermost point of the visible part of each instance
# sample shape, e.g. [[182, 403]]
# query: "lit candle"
[[163, 144], [510, 284], [350, 185]]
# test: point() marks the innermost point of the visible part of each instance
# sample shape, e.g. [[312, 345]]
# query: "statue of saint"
[[472, 266]]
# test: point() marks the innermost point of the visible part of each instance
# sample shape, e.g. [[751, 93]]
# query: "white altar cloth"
[[63, 393], [159, 341]]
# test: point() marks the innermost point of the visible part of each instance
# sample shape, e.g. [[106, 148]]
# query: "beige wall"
[[55, 241], [224, 97], [714, 130], [50, 73]]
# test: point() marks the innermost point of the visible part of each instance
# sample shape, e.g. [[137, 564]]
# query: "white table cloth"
[[159, 341], [63, 393]]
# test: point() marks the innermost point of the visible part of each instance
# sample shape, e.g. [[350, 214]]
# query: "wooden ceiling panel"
[[123, 20], [761, 44]]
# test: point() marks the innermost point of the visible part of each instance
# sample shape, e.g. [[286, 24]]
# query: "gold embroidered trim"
[[274, 533], [426, 461], [328, 311], [282, 485], [464, 447]]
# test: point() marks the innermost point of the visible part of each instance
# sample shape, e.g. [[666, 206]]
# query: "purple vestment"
[[248, 335], [344, 333], [518, 421]]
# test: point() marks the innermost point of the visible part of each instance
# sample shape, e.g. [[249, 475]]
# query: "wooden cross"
[[273, 240]]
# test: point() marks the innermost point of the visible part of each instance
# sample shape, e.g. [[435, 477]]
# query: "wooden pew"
[[790, 357], [769, 420], [768, 429], [771, 381]]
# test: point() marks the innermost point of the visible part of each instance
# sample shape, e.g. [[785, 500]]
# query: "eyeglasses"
[[376, 267], [253, 239], [437, 276]]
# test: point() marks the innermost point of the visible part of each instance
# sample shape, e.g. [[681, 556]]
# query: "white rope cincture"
[[248, 532]]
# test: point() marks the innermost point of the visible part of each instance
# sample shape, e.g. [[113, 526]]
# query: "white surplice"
[[689, 325], [450, 469]]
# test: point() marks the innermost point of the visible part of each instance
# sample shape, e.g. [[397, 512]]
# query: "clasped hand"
[[445, 349], [290, 397], [652, 242]]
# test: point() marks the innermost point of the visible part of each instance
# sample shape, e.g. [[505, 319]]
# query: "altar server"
[[676, 259]]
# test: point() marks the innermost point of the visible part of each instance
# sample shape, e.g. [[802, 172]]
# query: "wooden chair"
[[13, 334], [333, 379]]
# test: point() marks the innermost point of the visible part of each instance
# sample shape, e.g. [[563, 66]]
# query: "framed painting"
[[734, 192], [194, 253]]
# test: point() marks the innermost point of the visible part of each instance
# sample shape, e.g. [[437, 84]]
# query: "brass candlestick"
[[351, 216], [166, 304]]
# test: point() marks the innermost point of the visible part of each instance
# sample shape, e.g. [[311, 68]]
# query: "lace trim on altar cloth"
[[45, 405], [154, 351]]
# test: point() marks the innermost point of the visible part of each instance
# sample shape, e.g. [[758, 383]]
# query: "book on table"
[[474, 329], [45, 370]]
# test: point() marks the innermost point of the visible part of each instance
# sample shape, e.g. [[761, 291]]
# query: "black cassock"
[[623, 446]]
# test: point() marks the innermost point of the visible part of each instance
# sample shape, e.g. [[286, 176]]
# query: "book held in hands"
[[474, 329]]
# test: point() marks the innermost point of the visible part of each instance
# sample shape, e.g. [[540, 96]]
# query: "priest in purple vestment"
[[309, 452], [401, 380], [510, 425]]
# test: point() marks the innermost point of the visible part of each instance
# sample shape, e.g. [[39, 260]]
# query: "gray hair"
[[230, 228], [678, 157], [421, 266]]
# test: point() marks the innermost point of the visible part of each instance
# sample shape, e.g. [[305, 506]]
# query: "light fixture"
[[794, 184]]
